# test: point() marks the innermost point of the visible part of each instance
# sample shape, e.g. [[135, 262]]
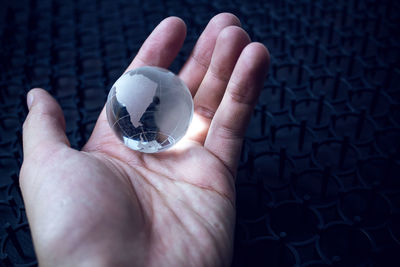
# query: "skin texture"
[[107, 205]]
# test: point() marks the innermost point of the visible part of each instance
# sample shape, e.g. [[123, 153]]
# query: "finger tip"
[[175, 22], [234, 32], [30, 96], [33, 90], [258, 53], [29, 99], [226, 18], [260, 50]]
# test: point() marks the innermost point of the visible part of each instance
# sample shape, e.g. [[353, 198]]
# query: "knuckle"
[[229, 133], [220, 72], [240, 93], [200, 58], [204, 111]]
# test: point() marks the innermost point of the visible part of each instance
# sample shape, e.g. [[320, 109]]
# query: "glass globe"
[[149, 109]]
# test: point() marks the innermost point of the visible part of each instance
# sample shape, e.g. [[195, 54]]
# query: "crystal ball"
[[149, 109]]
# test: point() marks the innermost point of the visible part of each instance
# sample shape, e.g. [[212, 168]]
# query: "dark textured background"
[[318, 182]]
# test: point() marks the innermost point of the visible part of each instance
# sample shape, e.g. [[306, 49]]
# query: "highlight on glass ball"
[[149, 109]]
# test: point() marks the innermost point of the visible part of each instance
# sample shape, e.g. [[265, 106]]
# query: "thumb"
[[44, 126]]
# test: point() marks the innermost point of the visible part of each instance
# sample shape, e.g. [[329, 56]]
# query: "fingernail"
[[29, 99]]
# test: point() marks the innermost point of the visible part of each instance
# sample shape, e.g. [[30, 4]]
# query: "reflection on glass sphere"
[[149, 109]]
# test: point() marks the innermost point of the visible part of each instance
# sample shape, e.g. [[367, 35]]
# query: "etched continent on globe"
[[149, 109], [146, 90]]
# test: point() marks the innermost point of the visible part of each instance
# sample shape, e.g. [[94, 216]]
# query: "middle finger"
[[230, 43], [192, 73]]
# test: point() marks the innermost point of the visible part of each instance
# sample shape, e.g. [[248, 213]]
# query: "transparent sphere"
[[149, 109]]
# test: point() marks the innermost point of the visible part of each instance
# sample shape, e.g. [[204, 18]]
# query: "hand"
[[108, 205]]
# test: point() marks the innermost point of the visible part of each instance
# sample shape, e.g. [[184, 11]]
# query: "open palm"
[[110, 206]]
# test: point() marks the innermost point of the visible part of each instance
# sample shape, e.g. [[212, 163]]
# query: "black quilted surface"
[[318, 182]]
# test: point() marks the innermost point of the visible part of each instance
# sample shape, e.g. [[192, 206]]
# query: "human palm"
[[110, 206]]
